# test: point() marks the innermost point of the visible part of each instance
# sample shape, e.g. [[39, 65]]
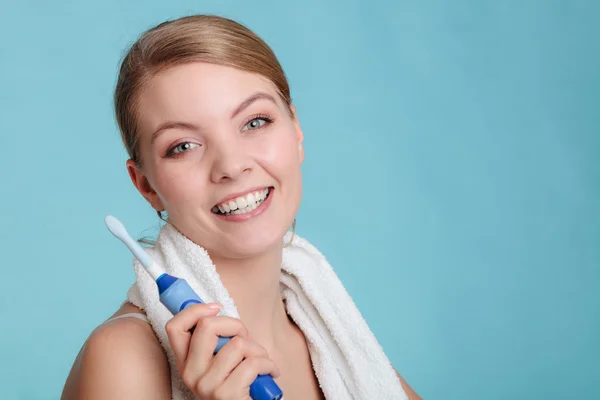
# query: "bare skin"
[[209, 133], [127, 353], [113, 354]]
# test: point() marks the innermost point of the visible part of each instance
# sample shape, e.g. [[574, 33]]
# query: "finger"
[[238, 383], [205, 339], [178, 328], [230, 356]]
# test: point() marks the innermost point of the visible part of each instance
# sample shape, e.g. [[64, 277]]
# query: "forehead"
[[197, 91]]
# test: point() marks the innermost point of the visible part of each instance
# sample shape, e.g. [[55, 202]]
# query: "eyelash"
[[264, 117], [268, 121], [171, 152]]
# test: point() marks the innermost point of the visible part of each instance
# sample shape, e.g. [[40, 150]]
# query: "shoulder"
[[122, 359], [410, 393]]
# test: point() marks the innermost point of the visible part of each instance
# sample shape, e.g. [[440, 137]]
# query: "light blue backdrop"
[[452, 178]]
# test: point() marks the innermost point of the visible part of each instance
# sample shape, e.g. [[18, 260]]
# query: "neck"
[[253, 284]]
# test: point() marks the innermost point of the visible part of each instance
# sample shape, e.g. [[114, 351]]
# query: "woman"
[[205, 113]]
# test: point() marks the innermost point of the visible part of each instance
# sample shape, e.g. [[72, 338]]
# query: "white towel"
[[347, 359]]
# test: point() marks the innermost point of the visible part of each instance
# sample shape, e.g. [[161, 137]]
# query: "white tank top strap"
[[130, 315]]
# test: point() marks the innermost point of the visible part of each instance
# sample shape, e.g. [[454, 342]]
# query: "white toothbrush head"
[[118, 230]]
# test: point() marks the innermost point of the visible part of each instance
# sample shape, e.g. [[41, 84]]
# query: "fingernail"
[[215, 306]]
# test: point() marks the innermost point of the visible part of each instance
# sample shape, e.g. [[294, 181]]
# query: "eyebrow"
[[191, 127], [172, 125], [246, 103]]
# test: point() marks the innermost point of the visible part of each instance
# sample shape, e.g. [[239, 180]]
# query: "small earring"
[[293, 234], [160, 215]]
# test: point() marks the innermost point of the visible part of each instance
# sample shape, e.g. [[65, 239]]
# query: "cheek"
[[280, 154], [179, 186], [284, 164]]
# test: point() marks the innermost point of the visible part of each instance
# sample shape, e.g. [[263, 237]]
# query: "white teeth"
[[242, 204]]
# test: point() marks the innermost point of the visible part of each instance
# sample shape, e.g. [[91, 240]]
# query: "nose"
[[230, 160]]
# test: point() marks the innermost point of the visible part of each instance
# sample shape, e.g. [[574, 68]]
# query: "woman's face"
[[221, 154]]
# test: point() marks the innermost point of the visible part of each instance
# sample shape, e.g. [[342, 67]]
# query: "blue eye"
[[256, 123], [182, 148]]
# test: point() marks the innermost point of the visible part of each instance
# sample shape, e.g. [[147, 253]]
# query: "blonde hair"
[[197, 38]]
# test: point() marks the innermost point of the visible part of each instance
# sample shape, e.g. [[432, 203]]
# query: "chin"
[[256, 244]]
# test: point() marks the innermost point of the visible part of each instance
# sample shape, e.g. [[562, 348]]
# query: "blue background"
[[452, 179]]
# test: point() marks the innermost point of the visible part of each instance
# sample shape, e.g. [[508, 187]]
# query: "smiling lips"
[[243, 204]]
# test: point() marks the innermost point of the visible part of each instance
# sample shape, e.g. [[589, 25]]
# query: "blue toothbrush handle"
[[176, 294], [221, 341]]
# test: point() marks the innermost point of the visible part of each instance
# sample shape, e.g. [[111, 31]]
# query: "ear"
[[141, 183], [299, 133]]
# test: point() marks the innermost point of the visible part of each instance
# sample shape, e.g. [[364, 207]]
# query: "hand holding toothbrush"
[[226, 375], [229, 376]]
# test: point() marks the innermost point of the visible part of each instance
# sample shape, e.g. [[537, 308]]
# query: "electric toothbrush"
[[176, 294]]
